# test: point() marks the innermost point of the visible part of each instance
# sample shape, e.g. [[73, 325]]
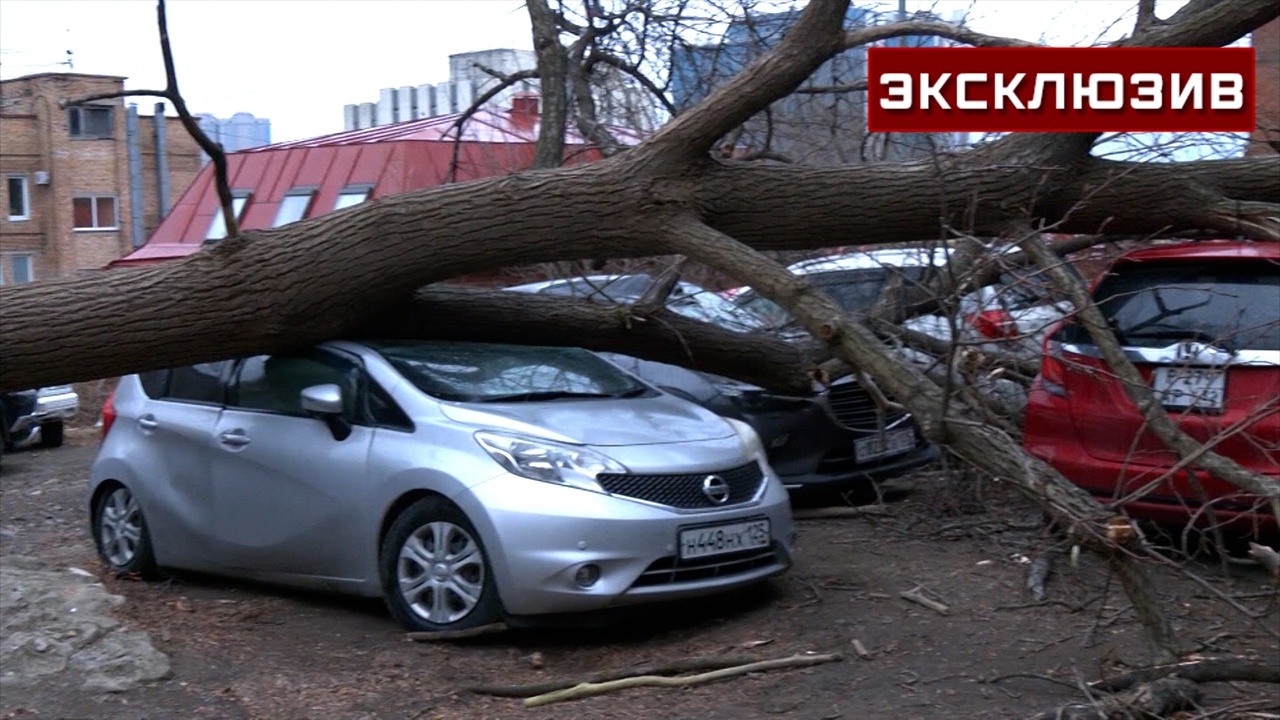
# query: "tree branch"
[[174, 95]]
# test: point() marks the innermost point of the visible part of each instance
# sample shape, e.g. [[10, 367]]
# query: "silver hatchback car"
[[463, 482]]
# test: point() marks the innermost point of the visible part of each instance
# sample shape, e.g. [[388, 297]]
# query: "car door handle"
[[234, 438], [148, 422]]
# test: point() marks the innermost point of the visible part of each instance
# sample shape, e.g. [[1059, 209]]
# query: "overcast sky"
[[297, 62]]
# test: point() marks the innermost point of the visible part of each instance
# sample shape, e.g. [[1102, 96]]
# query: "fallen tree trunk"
[[462, 313], [321, 278]]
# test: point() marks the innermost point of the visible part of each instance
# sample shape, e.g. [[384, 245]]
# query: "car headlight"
[[548, 461], [750, 438]]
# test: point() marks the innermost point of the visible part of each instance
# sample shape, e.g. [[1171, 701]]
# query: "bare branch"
[[600, 56], [877, 33], [174, 95]]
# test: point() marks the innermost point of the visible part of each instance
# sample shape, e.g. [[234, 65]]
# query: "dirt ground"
[[247, 651]]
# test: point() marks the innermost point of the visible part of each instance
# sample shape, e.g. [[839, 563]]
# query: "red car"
[[1201, 320]]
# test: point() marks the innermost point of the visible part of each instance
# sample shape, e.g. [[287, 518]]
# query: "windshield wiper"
[[536, 396]]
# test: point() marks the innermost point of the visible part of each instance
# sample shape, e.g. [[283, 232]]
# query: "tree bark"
[[462, 313]]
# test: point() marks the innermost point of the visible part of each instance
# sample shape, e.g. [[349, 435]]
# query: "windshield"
[[710, 307], [482, 372], [855, 291], [1231, 305]]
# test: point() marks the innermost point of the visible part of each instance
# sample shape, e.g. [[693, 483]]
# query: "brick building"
[[82, 186], [1266, 43]]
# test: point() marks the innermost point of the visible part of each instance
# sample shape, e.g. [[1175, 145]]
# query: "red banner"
[[1060, 89]]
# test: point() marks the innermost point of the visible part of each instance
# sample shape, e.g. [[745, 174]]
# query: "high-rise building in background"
[[473, 74], [241, 131], [825, 121]]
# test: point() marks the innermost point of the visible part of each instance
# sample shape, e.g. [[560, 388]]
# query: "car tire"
[[120, 534], [51, 434], [427, 591]]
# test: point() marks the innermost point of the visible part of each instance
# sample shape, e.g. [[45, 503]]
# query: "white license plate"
[[1190, 387], [721, 539], [882, 444]]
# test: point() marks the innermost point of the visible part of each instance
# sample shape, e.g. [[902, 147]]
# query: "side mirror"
[[322, 399], [325, 401]]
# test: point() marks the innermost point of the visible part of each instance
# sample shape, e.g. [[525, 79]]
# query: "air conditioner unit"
[[42, 177]]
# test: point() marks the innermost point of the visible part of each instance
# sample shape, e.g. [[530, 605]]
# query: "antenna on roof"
[[71, 61]]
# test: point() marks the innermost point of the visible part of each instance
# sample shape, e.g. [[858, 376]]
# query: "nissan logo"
[[716, 489]]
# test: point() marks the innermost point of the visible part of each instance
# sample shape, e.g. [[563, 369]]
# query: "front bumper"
[[538, 535], [48, 408], [835, 475]]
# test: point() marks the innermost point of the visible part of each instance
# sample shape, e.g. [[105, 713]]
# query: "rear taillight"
[[108, 414], [995, 324], [1053, 370]]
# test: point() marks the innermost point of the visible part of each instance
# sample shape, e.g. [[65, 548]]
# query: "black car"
[[829, 442]]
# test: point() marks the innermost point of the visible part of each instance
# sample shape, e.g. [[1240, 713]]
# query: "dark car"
[[829, 442]]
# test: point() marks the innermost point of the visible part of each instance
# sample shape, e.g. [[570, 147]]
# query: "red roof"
[[389, 159]]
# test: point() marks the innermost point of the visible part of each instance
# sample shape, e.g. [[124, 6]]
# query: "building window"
[[218, 228], [97, 212], [20, 269], [352, 195], [294, 206], [90, 121], [19, 200]]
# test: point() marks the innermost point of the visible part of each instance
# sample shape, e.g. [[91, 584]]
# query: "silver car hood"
[[600, 422]]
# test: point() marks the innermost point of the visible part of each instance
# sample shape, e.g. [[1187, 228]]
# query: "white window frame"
[[26, 197], [93, 207], [13, 269], [239, 202], [290, 202], [351, 196]]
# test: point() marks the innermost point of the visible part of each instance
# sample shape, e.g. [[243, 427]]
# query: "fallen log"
[[1210, 669]]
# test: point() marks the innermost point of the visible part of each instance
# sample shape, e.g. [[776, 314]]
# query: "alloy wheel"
[[440, 572], [120, 527]]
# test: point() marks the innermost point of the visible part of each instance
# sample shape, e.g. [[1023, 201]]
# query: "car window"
[[201, 383], [155, 383], [480, 372], [383, 410], [1229, 304], [274, 383]]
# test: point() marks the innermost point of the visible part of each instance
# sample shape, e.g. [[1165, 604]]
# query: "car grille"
[[670, 570], [685, 491], [853, 407]]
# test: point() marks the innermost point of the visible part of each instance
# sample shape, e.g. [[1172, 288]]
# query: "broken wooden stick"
[[919, 598], [1037, 575], [696, 664], [839, 512], [451, 635], [585, 690], [860, 650]]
